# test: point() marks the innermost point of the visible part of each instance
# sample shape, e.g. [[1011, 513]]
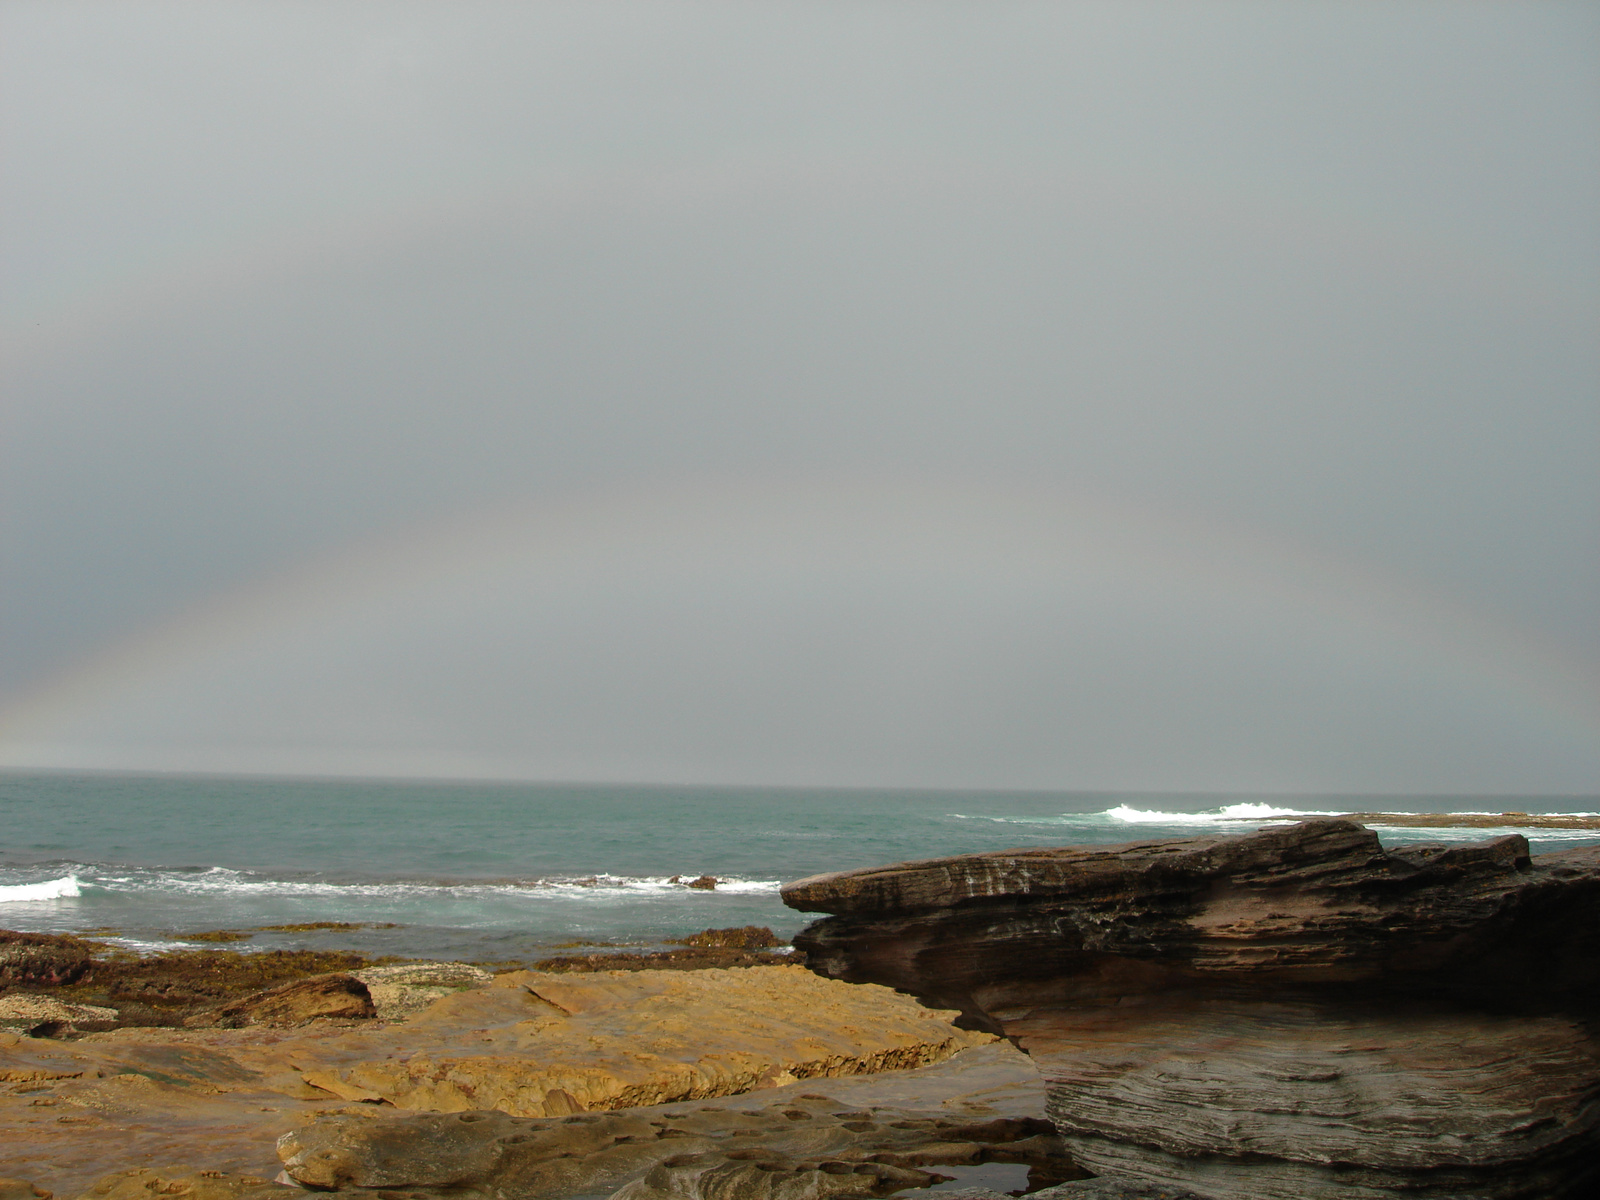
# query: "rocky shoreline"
[[213, 1086], [1295, 1014]]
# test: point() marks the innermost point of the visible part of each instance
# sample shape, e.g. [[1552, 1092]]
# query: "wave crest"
[[50, 889], [1228, 812]]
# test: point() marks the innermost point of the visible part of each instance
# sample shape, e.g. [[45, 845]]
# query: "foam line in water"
[[225, 882], [1228, 812], [50, 889]]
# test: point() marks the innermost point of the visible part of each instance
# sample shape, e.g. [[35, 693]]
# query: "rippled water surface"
[[498, 871]]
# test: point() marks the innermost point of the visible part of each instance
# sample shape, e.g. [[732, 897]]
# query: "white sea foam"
[[1228, 812], [1124, 814], [49, 889], [225, 882]]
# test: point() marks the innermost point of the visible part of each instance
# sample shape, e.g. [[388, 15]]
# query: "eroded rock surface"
[[145, 1183], [339, 997], [403, 991], [46, 1016], [809, 1146], [532, 1044], [1296, 1013]]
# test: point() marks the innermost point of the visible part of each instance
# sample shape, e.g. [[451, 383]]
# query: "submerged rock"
[[1293, 1014]]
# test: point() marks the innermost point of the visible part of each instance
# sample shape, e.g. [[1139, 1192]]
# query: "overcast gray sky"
[[1195, 396]]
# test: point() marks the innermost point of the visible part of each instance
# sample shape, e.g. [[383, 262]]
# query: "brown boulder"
[[289, 1004], [21, 1189]]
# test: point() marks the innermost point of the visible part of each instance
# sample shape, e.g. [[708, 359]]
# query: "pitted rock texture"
[[46, 1016], [403, 991], [804, 1148], [1291, 1014], [143, 1183], [341, 997], [530, 1043]]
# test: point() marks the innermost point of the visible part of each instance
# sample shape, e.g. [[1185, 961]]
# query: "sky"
[[1115, 396]]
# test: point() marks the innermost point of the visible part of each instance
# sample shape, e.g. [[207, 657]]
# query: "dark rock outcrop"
[[1292, 1014], [289, 1004]]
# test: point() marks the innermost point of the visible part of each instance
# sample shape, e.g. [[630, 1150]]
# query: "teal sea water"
[[488, 871]]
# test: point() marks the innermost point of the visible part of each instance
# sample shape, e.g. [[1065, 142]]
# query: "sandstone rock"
[[220, 1097], [145, 1184], [403, 991], [1293, 1014], [44, 1015], [41, 958], [705, 883], [807, 1147], [21, 1189], [289, 1004], [618, 1039]]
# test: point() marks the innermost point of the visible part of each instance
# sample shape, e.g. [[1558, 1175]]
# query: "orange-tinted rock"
[[538, 1044], [336, 996], [143, 1183]]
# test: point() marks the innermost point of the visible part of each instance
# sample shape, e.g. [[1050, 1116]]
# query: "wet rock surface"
[[808, 1145], [165, 989], [143, 1183], [1292, 1014]]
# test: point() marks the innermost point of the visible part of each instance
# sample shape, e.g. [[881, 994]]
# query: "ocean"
[[495, 872]]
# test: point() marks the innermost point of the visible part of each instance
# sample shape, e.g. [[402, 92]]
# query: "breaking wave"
[[224, 881], [50, 889]]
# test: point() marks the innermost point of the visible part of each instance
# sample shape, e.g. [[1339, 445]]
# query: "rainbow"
[[1038, 533]]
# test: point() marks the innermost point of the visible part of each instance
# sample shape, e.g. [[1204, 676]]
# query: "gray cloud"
[[286, 280]]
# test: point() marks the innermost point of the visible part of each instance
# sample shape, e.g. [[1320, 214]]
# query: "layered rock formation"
[[337, 997], [1297, 1013], [532, 1044]]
